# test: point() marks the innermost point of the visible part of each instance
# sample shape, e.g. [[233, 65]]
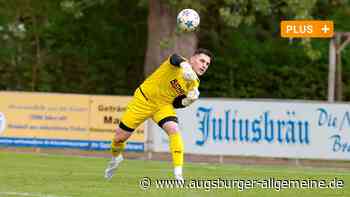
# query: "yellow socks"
[[177, 149], [117, 148]]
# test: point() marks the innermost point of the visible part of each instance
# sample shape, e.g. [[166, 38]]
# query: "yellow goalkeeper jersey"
[[166, 83]]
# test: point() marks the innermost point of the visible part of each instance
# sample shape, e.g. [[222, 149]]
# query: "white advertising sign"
[[262, 128]]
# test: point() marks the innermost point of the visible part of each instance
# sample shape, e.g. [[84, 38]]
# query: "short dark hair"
[[204, 51]]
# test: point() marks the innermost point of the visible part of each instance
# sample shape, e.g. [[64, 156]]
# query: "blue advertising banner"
[[263, 128]]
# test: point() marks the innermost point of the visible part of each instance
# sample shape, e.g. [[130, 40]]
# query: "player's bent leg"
[[117, 147], [176, 146]]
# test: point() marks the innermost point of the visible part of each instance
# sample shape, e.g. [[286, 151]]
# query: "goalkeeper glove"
[[192, 96], [188, 73]]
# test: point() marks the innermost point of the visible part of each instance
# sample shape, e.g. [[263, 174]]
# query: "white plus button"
[[325, 29]]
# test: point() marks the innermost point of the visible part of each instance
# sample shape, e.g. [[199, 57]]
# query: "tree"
[[22, 22], [163, 39]]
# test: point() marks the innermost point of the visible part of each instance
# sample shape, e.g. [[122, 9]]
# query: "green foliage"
[[272, 69], [99, 52]]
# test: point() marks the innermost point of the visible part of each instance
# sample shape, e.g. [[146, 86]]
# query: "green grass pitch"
[[41, 175]]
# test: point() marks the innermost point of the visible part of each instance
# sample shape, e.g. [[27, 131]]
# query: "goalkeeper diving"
[[173, 85]]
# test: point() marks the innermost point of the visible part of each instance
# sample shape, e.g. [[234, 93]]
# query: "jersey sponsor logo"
[[175, 84]]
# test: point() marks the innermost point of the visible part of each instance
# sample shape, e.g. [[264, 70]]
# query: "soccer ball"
[[188, 20]]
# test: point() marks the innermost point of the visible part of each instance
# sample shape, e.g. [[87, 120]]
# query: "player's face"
[[200, 63]]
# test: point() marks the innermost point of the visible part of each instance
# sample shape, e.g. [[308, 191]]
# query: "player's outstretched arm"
[[188, 73]]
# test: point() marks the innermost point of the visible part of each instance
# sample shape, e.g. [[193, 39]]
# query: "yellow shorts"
[[139, 109]]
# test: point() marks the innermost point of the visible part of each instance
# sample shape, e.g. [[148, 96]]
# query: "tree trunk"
[[37, 63], [162, 37]]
